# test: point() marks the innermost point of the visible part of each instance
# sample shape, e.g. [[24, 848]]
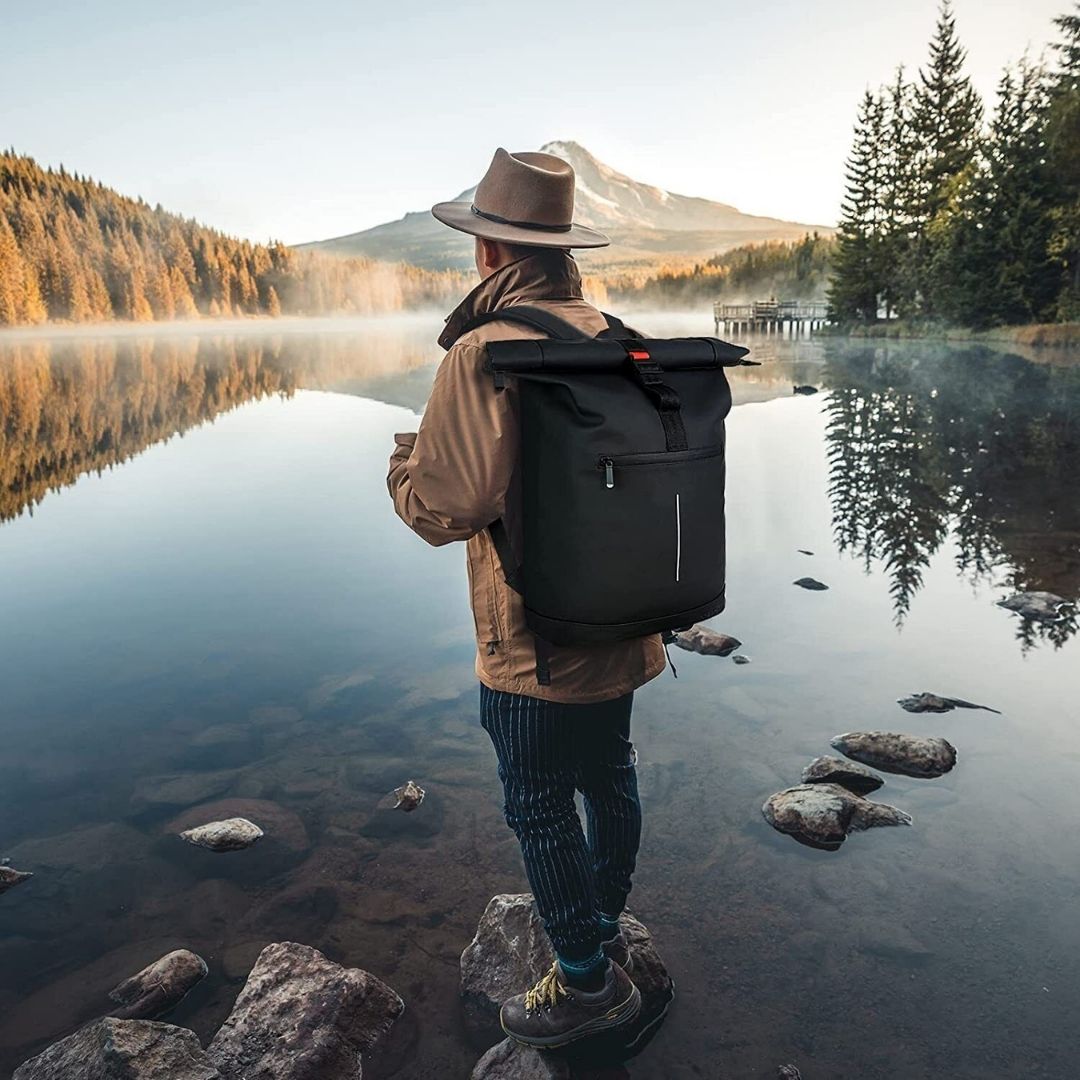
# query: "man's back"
[[461, 474]]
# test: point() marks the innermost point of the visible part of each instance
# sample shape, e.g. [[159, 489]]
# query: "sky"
[[300, 121]]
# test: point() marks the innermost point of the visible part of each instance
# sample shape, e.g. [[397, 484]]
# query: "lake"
[[206, 596]]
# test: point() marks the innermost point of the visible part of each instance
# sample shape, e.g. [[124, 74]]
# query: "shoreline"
[[1037, 335]]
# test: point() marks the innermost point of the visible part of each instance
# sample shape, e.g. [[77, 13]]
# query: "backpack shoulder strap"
[[616, 328], [537, 318]]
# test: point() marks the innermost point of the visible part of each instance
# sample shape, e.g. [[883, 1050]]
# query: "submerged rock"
[[10, 878], [848, 774], [806, 389], [409, 796], [1040, 606], [803, 551], [510, 952], [158, 987], [738, 658], [822, 815], [233, 834], [509, 1060], [282, 826], [706, 641], [812, 584], [302, 1017], [112, 1049], [788, 1072], [911, 755], [925, 702]]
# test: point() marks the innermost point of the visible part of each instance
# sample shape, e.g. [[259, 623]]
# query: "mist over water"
[[207, 597]]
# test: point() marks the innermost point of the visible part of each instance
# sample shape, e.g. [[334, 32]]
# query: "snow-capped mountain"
[[645, 224]]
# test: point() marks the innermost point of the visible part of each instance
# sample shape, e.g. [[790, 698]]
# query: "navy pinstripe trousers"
[[547, 752]]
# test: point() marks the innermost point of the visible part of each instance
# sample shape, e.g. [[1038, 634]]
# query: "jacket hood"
[[549, 275]]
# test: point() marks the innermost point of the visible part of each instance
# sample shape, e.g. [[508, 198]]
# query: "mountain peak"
[[645, 223]]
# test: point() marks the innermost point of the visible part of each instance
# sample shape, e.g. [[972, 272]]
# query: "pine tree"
[[1063, 154], [853, 289], [897, 288], [946, 117]]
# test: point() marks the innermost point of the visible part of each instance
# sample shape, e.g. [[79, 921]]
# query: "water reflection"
[[924, 441], [71, 406]]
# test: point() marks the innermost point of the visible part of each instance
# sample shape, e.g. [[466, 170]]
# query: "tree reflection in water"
[[927, 440]]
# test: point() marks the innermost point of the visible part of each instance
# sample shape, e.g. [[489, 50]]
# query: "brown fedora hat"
[[523, 198]]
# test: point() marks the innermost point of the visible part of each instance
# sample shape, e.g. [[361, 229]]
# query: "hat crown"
[[527, 189]]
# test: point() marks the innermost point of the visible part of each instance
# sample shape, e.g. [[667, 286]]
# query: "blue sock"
[[609, 925], [589, 974]]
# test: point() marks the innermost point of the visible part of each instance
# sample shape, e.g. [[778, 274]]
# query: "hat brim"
[[460, 216]]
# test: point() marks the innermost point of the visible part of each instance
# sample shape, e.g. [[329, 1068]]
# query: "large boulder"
[[509, 1060], [848, 774], [112, 1049], [159, 987], [822, 815], [911, 755], [1044, 607], [510, 952], [302, 1017]]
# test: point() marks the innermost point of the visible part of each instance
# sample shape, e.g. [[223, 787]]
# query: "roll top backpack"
[[622, 472]]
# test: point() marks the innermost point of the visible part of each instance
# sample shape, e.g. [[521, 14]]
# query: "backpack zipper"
[[607, 462]]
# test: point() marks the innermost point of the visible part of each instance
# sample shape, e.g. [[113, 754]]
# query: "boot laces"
[[547, 992]]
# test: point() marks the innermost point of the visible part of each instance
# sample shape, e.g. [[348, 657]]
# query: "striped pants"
[[547, 752]]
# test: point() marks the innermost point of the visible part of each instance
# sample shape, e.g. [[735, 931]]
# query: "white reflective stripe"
[[678, 536]]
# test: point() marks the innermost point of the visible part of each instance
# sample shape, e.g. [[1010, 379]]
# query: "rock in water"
[[822, 815], [738, 658], [788, 1072], [159, 987], [10, 878], [303, 1017], [911, 755], [804, 389], [233, 834], [409, 796], [803, 551], [848, 774], [812, 584], [112, 1049], [924, 702], [509, 1060], [510, 952], [708, 642], [1039, 606]]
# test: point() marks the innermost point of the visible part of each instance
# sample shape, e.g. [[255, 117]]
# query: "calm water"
[[206, 596]]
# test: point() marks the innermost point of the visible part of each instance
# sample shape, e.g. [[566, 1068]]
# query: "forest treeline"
[[73, 250], [793, 270], [956, 217]]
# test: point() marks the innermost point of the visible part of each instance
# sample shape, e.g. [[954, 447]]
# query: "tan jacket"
[[458, 474]]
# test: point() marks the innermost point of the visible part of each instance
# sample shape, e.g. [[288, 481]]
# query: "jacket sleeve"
[[449, 481]]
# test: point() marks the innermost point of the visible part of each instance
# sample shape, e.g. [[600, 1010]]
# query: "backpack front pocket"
[[644, 536]]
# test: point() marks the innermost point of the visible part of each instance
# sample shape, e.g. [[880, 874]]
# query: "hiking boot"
[[553, 1014], [617, 950]]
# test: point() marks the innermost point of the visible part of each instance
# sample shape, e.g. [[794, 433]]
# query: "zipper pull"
[[609, 472]]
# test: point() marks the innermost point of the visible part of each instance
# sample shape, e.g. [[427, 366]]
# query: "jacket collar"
[[551, 275]]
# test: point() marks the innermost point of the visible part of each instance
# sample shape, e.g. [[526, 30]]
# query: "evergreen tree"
[[853, 291], [946, 117], [898, 157], [1063, 153]]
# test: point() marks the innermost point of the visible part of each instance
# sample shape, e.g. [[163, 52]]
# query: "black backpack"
[[622, 471]]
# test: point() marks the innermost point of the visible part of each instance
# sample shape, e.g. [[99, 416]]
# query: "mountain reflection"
[[928, 441]]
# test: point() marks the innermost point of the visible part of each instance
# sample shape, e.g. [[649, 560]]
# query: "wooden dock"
[[791, 317]]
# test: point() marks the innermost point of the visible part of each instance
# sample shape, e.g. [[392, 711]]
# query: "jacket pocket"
[[483, 592]]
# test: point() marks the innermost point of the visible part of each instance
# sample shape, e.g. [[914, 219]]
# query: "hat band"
[[520, 224]]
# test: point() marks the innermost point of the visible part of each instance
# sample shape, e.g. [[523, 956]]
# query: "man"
[[560, 721]]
